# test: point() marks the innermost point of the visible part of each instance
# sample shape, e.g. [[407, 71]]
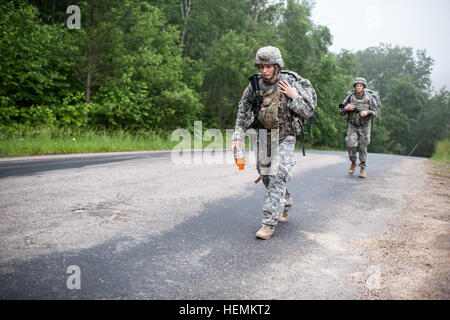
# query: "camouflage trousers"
[[277, 198], [358, 139]]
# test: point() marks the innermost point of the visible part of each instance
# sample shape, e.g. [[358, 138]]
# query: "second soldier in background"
[[360, 105]]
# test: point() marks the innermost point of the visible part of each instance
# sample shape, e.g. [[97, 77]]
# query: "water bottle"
[[239, 157]]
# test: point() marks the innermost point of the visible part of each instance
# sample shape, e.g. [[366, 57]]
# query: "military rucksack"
[[376, 97], [299, 123], [374, 94]]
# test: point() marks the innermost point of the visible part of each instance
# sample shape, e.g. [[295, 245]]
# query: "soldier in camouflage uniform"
[[360, 106], [286, 98]]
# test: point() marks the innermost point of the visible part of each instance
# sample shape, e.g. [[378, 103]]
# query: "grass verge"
[[26, 141], [442, 152], [39, 141]]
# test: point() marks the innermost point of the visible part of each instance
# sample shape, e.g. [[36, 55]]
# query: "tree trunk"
[[415, 147], [89, 71], [419, 142], [90, 55], [185, 12]]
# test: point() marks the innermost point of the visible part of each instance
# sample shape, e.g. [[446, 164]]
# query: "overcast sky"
[[420, 24]]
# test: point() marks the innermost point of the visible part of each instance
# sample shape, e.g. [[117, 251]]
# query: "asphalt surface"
[[204, 249]]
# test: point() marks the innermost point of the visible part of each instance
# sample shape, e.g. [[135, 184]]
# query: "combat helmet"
[[269, 55], [360, 80]]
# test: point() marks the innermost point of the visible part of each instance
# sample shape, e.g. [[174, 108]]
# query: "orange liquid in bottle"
[[240, 162], [239, 158]]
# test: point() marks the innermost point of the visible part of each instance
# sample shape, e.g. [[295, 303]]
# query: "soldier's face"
[[359, 87], [267, 70]]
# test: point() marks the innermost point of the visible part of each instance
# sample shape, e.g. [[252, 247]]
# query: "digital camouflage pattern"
[[360, 80], [269, 55], [303, 105], [277, 198], [278, 168], [359, 128], [366, 103], [358, 139]]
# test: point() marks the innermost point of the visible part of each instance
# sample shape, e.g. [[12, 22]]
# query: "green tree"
[[32, 63], [146, 83], [303, 42], [432, 125], [380, 65], [332, 79], [411, 119], [229, 63]]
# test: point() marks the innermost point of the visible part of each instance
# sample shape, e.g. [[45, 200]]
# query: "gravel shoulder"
[[412, 259]]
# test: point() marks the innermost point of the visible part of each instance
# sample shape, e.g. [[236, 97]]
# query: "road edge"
[[411, 261]]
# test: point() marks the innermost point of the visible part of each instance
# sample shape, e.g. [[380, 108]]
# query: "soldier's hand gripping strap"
[[347, 100], [298, 78]]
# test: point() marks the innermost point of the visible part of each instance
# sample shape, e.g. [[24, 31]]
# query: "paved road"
[[139, 226]]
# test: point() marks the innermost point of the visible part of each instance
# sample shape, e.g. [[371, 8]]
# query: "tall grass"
[[442, 152], [37, 141], [23, 140]]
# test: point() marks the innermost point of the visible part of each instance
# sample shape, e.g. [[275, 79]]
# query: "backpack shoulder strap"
[[348, 96]]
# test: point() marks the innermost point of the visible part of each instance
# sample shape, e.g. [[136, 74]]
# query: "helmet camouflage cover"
[[269, 55], [360, 80]]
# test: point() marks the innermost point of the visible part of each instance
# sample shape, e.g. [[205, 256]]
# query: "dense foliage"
[[159, 65]]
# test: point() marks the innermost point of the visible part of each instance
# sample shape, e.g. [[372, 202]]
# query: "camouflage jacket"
[[303, 105], [366, 103]]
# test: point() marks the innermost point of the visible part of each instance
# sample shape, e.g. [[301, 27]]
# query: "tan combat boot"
[[285, 217], [362, 173], [352, 168], [265, 232]]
